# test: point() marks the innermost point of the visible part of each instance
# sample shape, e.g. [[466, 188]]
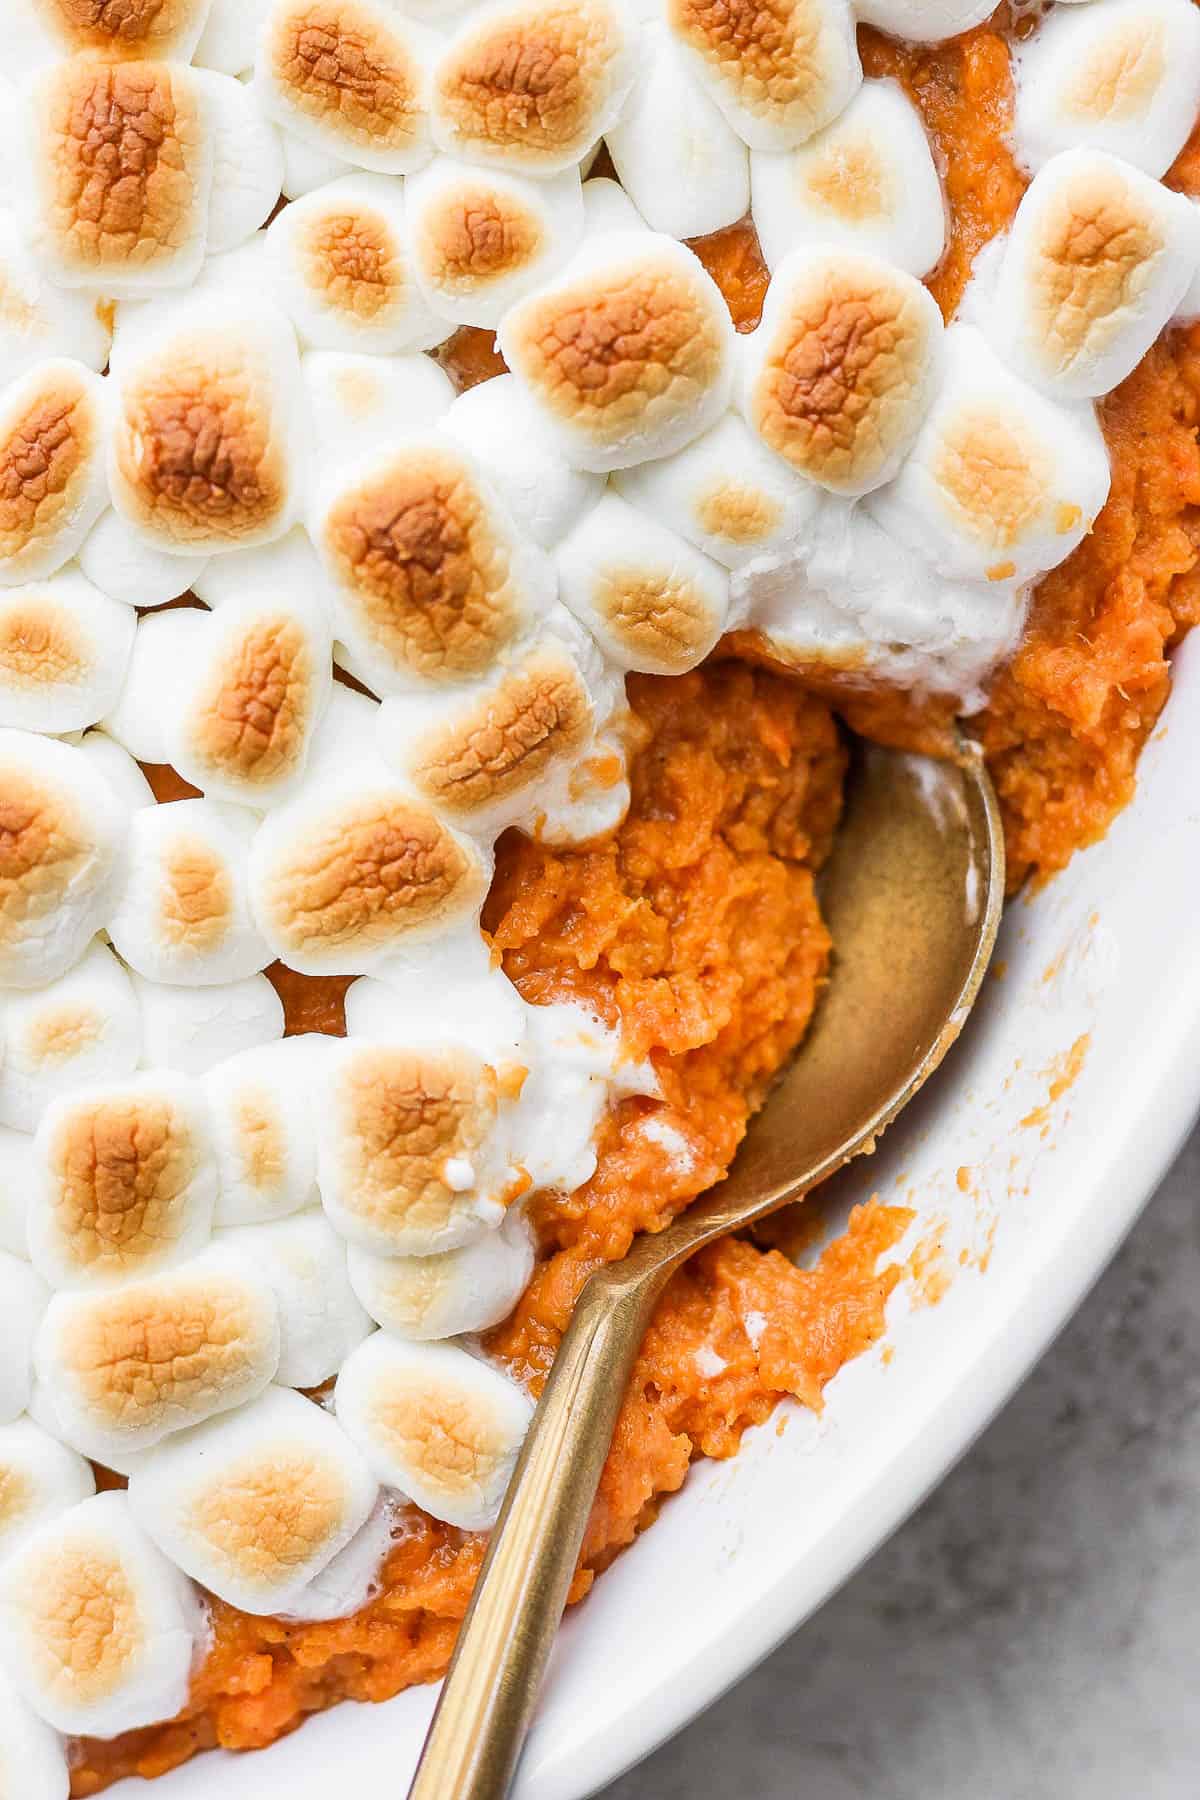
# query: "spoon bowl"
[[912, 895]]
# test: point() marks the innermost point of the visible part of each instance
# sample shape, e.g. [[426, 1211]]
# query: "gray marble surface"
[[1032, 1633]]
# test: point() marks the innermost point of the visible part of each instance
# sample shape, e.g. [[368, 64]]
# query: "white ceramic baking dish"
[[1108, 953]]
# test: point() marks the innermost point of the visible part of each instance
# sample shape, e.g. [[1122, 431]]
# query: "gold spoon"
[[912, 895]]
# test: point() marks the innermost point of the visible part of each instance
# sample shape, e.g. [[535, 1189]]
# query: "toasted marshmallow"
[[39, 1478], [259, 689], [349, 77], [81, 1028], [628, 354], [16, 1185], [495, 753], [126, 567], [254, 1505], [126, 1180], [435, 1422], [413, 1153], [38, 319], [61, 857], [496, 422], [532, 83], [305, 168], [126, 781], [867, 181], [33, 1757], [778, 76], [684, 166], [320, 1317], [127, 1365], [194, 1028], [53, 426], [1121, 76], [207, 445], [247, 177], [1098, 260], [120, 174], [184, 913], [841, 371], [1002, 483], [923, 21], [143, 30], [64, 649], [343, 266], [726, 493], [165, 651], [23, 1299], [356, 870], [262, 1108], [362, 405], [470, 1289], [345, 1585], [432, 580], [230, 35], [98, 1627], [650, 599]]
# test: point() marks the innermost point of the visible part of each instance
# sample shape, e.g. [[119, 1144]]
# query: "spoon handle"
[[490, 1692]]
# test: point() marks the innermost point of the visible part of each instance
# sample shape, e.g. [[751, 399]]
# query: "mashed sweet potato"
[[698, 925]]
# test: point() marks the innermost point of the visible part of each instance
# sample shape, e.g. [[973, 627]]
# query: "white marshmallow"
[[496, 422], [321, 93], [484, 238], [777, 77], [64, 857], [39, 1478], [126, 567], [23, 1300], [726, 493], [533, 84], [1098, 260], [38, 319], [1121, 75], [193, 1029], [414, 1145], [347, 733], [432, 581], [842, 369], [924, 21], [367, 404], [477, 1006], [184, 913], [33, 1757], [64, 648], [209, 447], [247, 162], [683, 165], [345, 1585], [166, 648], [230, 35], [91, 223], [305, 168], [1002, 483], [16, 1186], [126, 1180], [125, 1366], [436, 1423], [320, 1317], [263, 1109], [97, 1628], [344, 269], [53, 427], [469, 1289], [673, 375], [607, 207], [650, 599], [868, 180], [84, 1027], [254, 1505], [126, 781]]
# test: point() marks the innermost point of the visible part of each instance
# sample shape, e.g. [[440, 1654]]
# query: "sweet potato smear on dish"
[[698, 926]]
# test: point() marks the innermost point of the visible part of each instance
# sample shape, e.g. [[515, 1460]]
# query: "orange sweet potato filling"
[[697, 925]]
